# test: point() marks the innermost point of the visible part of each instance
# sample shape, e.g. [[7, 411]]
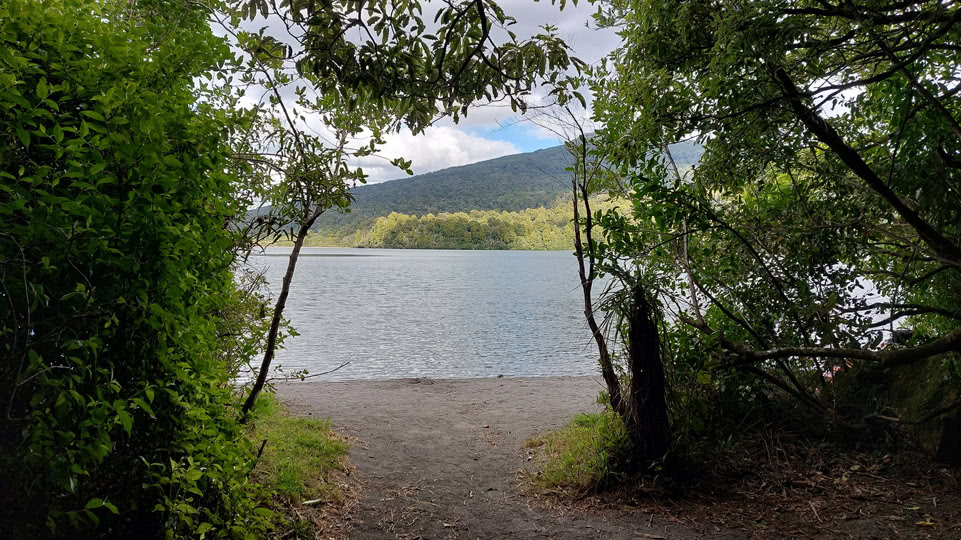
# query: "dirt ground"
[[435, 459]]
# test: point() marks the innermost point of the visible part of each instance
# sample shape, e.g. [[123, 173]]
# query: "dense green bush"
[[115, 267]]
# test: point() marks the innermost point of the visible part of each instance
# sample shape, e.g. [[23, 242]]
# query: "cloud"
[[437, 148], [489, 130]]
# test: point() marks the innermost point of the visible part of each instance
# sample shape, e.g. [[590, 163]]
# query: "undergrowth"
[[300, 456], [301, 463], [582, 456]]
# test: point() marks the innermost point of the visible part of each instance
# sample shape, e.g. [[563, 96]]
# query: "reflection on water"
[[432, 313]]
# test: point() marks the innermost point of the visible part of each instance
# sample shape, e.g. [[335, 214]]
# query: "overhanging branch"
[[950, 342]]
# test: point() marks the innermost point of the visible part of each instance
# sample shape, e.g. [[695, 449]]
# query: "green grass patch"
[[582, 456], [302, 456]]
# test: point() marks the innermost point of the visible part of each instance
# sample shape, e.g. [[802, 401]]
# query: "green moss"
[[582, 456]]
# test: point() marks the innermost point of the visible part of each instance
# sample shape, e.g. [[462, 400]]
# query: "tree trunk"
[[587, 283], [646, 420], [949, 449], [277, 317]]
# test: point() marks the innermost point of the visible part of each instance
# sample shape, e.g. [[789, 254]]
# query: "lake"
[[433, 313]]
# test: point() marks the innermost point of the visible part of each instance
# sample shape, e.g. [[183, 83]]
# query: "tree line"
[[530, 229]]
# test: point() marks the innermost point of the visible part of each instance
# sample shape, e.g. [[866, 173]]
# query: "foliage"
[[116, 274], [531, 229], [300, 453], [824, 214], [336, 78], [507, 184], [582, 456], [365, 59]]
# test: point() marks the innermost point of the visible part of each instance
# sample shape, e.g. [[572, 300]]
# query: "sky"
[[489, 130], [493, 131]]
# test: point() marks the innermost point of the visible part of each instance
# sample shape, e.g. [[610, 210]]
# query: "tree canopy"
[[824, 214]]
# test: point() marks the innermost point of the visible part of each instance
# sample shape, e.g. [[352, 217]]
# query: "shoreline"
[[442, 458], [432, 380]]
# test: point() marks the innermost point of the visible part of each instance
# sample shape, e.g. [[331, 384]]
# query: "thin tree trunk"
[[587, 282], [278, 316]]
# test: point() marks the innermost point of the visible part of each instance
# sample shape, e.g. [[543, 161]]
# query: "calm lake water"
[[433, 313]]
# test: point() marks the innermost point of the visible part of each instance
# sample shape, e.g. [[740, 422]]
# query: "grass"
[[302, 456], [582, 456]]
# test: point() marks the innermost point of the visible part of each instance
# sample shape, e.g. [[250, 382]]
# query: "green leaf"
[[143, 405], [93, 114], [125, 420], [23, 136]]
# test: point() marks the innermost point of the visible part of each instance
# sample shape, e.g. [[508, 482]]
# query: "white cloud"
[[437, 148], [475, 138]]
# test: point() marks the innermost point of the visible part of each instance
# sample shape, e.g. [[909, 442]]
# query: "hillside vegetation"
[[512, 202], [530, 229]]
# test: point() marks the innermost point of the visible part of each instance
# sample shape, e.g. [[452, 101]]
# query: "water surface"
[[433, 313]]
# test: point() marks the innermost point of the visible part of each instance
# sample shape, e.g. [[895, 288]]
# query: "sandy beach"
[[445, 458], [435, 459]]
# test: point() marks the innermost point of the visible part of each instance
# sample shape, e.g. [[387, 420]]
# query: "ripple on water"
[[432, 313]]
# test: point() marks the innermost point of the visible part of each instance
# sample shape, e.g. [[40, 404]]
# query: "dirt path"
[[437, 459], [444, 458]]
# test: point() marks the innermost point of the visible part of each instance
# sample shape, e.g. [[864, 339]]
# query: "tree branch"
[[946, 250]]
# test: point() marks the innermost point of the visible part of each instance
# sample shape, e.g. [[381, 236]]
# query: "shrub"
[[583, 456], [115, 263]]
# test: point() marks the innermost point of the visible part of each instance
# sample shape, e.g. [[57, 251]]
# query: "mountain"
[[509, 183]]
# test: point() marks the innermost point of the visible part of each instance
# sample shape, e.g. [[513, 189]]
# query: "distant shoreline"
[[308, 254]]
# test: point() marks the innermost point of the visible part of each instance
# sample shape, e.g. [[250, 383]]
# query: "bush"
[[583, 456], [115, 265]]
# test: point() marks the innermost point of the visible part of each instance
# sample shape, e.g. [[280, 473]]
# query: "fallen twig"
[[287, 378], [815, 510]]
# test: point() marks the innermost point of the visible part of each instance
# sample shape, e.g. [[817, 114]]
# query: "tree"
[[400, 73], [630, 353], [115, 277], [826, 205]]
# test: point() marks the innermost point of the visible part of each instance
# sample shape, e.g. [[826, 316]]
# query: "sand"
[[445, 458], [435, 459]]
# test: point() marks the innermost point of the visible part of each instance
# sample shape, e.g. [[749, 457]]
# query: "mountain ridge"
[[511, 183]]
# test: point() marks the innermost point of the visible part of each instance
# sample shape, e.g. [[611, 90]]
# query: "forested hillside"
[[506, 184], [530, 229]]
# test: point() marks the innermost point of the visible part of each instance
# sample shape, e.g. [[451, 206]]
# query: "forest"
[[513, 183], [529, 229], [789, 308]]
